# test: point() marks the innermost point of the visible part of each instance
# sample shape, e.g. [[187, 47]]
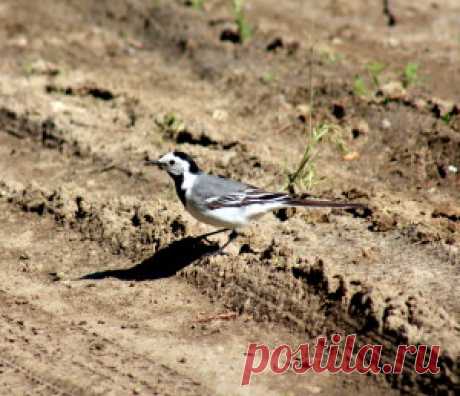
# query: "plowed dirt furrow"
[[76, 353], [120, 336]]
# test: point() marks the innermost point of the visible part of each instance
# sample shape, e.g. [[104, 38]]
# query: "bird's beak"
[[153, 162]]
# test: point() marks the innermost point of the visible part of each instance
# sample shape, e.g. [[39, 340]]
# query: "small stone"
[[337, 41], [220, 115], [58, 107], [393, 90], [420, 104], [20, 41], [393, 42], [441, 108], [303, 110], [354, 155], [386, 124], [360, 128]]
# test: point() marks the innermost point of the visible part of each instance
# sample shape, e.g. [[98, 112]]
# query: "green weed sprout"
[[170, 124], [267, 78], [244, 29], [375, 69], [410, 74], [304, 175], [360, 87], [197, 4]]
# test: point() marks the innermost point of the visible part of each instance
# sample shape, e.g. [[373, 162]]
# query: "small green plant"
[[446, 118], [338, 141], [449, 116], [329, 54], [244, 29], [196, 4], [360, 87], [375, 69], [410, 74], [305, 173], [29, 69], [267, 78], [170, 124], [333, 57]]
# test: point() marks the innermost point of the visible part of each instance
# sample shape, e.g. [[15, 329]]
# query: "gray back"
[[214, 186]]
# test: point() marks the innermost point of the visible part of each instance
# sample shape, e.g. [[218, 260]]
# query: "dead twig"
[[222, 316]]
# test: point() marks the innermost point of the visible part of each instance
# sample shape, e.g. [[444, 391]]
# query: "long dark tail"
[[322, 203]]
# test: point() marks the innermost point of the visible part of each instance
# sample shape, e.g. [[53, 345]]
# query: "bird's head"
[[176, 163]]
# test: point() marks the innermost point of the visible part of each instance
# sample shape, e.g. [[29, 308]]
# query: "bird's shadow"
[[165, 263]]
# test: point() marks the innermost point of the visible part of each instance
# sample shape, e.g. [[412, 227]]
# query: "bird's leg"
[[233, 235], [205, 236]]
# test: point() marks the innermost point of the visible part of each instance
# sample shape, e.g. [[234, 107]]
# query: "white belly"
[[226, 217]]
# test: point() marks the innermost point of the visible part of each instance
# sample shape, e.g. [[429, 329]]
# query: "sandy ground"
[[104, 290]]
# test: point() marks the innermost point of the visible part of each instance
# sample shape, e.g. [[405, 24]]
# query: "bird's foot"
[[221, 251], [205, 236], [214, 253]]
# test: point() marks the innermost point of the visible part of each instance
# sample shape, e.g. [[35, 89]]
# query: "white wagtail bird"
[[226, 203]]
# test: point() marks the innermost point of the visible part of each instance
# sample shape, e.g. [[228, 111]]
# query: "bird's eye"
[[171, 162]]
